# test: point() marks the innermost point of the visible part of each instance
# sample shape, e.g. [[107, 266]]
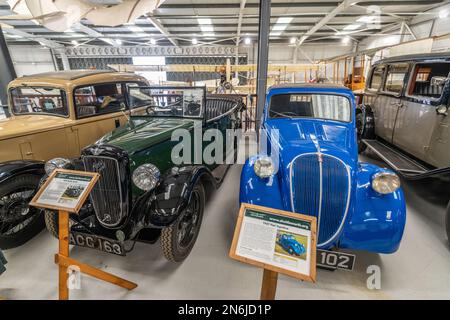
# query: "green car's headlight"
[[56, 163], [264, 167], [385, 182], [146, 177]]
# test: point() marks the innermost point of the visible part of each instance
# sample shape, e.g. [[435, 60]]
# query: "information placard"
[[65, 190], [276, 240]]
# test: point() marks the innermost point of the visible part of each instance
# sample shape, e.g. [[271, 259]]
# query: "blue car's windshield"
[[319, 106]]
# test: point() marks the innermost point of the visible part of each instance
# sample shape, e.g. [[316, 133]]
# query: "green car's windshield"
[[319, 106], [168, 102], [42, 100]]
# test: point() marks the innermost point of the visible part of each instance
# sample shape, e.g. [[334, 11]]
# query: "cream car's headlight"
[[264, 167], [146, 177], [56, 163], [385, 182]]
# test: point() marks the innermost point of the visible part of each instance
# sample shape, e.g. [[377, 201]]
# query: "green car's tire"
[[15, 228], [178, 239], [52, 222]]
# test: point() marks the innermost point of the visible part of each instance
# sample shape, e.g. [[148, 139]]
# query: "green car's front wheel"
[[178, 239]]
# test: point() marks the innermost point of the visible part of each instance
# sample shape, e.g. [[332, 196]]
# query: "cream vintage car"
[[53, 114]]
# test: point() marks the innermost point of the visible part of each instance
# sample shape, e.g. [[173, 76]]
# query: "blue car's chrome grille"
[[320, 187]]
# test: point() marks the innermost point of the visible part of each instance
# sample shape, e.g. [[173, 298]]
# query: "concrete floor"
[[419, 270]]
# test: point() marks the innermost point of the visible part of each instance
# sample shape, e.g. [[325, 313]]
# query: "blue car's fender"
[[377, 221], [262, 192]]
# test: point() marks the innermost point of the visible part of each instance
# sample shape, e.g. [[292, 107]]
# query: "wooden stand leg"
[[63, 251], [64, 261], [269, 285], [96, 273]]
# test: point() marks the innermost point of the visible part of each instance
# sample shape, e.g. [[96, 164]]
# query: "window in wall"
[[377, 78], [99, 99], [395, 78], [429, 79]]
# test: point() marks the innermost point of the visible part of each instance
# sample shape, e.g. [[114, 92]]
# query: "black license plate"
[[335, 260], [96, 242]]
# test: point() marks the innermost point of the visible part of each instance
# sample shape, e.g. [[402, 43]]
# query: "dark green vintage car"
[[149, 186]]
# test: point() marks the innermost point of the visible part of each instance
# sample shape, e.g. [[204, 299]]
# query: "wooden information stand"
[[73, 205], [290, 224]]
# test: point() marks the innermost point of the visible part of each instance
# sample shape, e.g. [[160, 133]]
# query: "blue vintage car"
[[291, 245], [311, 166]]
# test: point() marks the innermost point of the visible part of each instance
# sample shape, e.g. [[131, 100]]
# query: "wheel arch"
[[164, 205], [11, 169]]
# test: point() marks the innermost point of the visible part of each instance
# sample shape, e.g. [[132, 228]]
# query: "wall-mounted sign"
[[65, 190], [280, 241]]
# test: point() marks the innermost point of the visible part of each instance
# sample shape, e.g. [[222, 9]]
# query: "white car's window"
[[320, 106], [395, 78], [377, 78], [429, 80], [28, 100]]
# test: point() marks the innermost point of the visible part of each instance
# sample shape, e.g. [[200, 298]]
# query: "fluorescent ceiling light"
[[247, 40], [346, 40], [108, 40], [368, 19], [206, 26], [443, 14], [284, 20], [280, 26], [352, 27], [135, 28], [194, 41], [203, 21]]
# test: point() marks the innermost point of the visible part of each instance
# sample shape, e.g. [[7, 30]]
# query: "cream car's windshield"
[[39, 100]]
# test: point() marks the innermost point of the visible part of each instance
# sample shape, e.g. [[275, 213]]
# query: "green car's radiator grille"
[[106, 196], [320, 187]]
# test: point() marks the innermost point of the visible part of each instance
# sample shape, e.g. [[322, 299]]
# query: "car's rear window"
[[319, 106], [28, 100]]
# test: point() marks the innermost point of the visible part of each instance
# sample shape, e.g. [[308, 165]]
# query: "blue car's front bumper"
[[374, 222]]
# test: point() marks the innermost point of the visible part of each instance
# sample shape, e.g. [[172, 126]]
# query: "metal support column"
[[6, 69], [263, 57]]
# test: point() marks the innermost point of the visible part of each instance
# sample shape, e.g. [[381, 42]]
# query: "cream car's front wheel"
[[178, 239], [18, 221]]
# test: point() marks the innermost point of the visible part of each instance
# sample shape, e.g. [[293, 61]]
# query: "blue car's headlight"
[[264, 167], [385, 182]]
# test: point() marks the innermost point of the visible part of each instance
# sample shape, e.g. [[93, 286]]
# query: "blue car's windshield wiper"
[[281, 114]]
